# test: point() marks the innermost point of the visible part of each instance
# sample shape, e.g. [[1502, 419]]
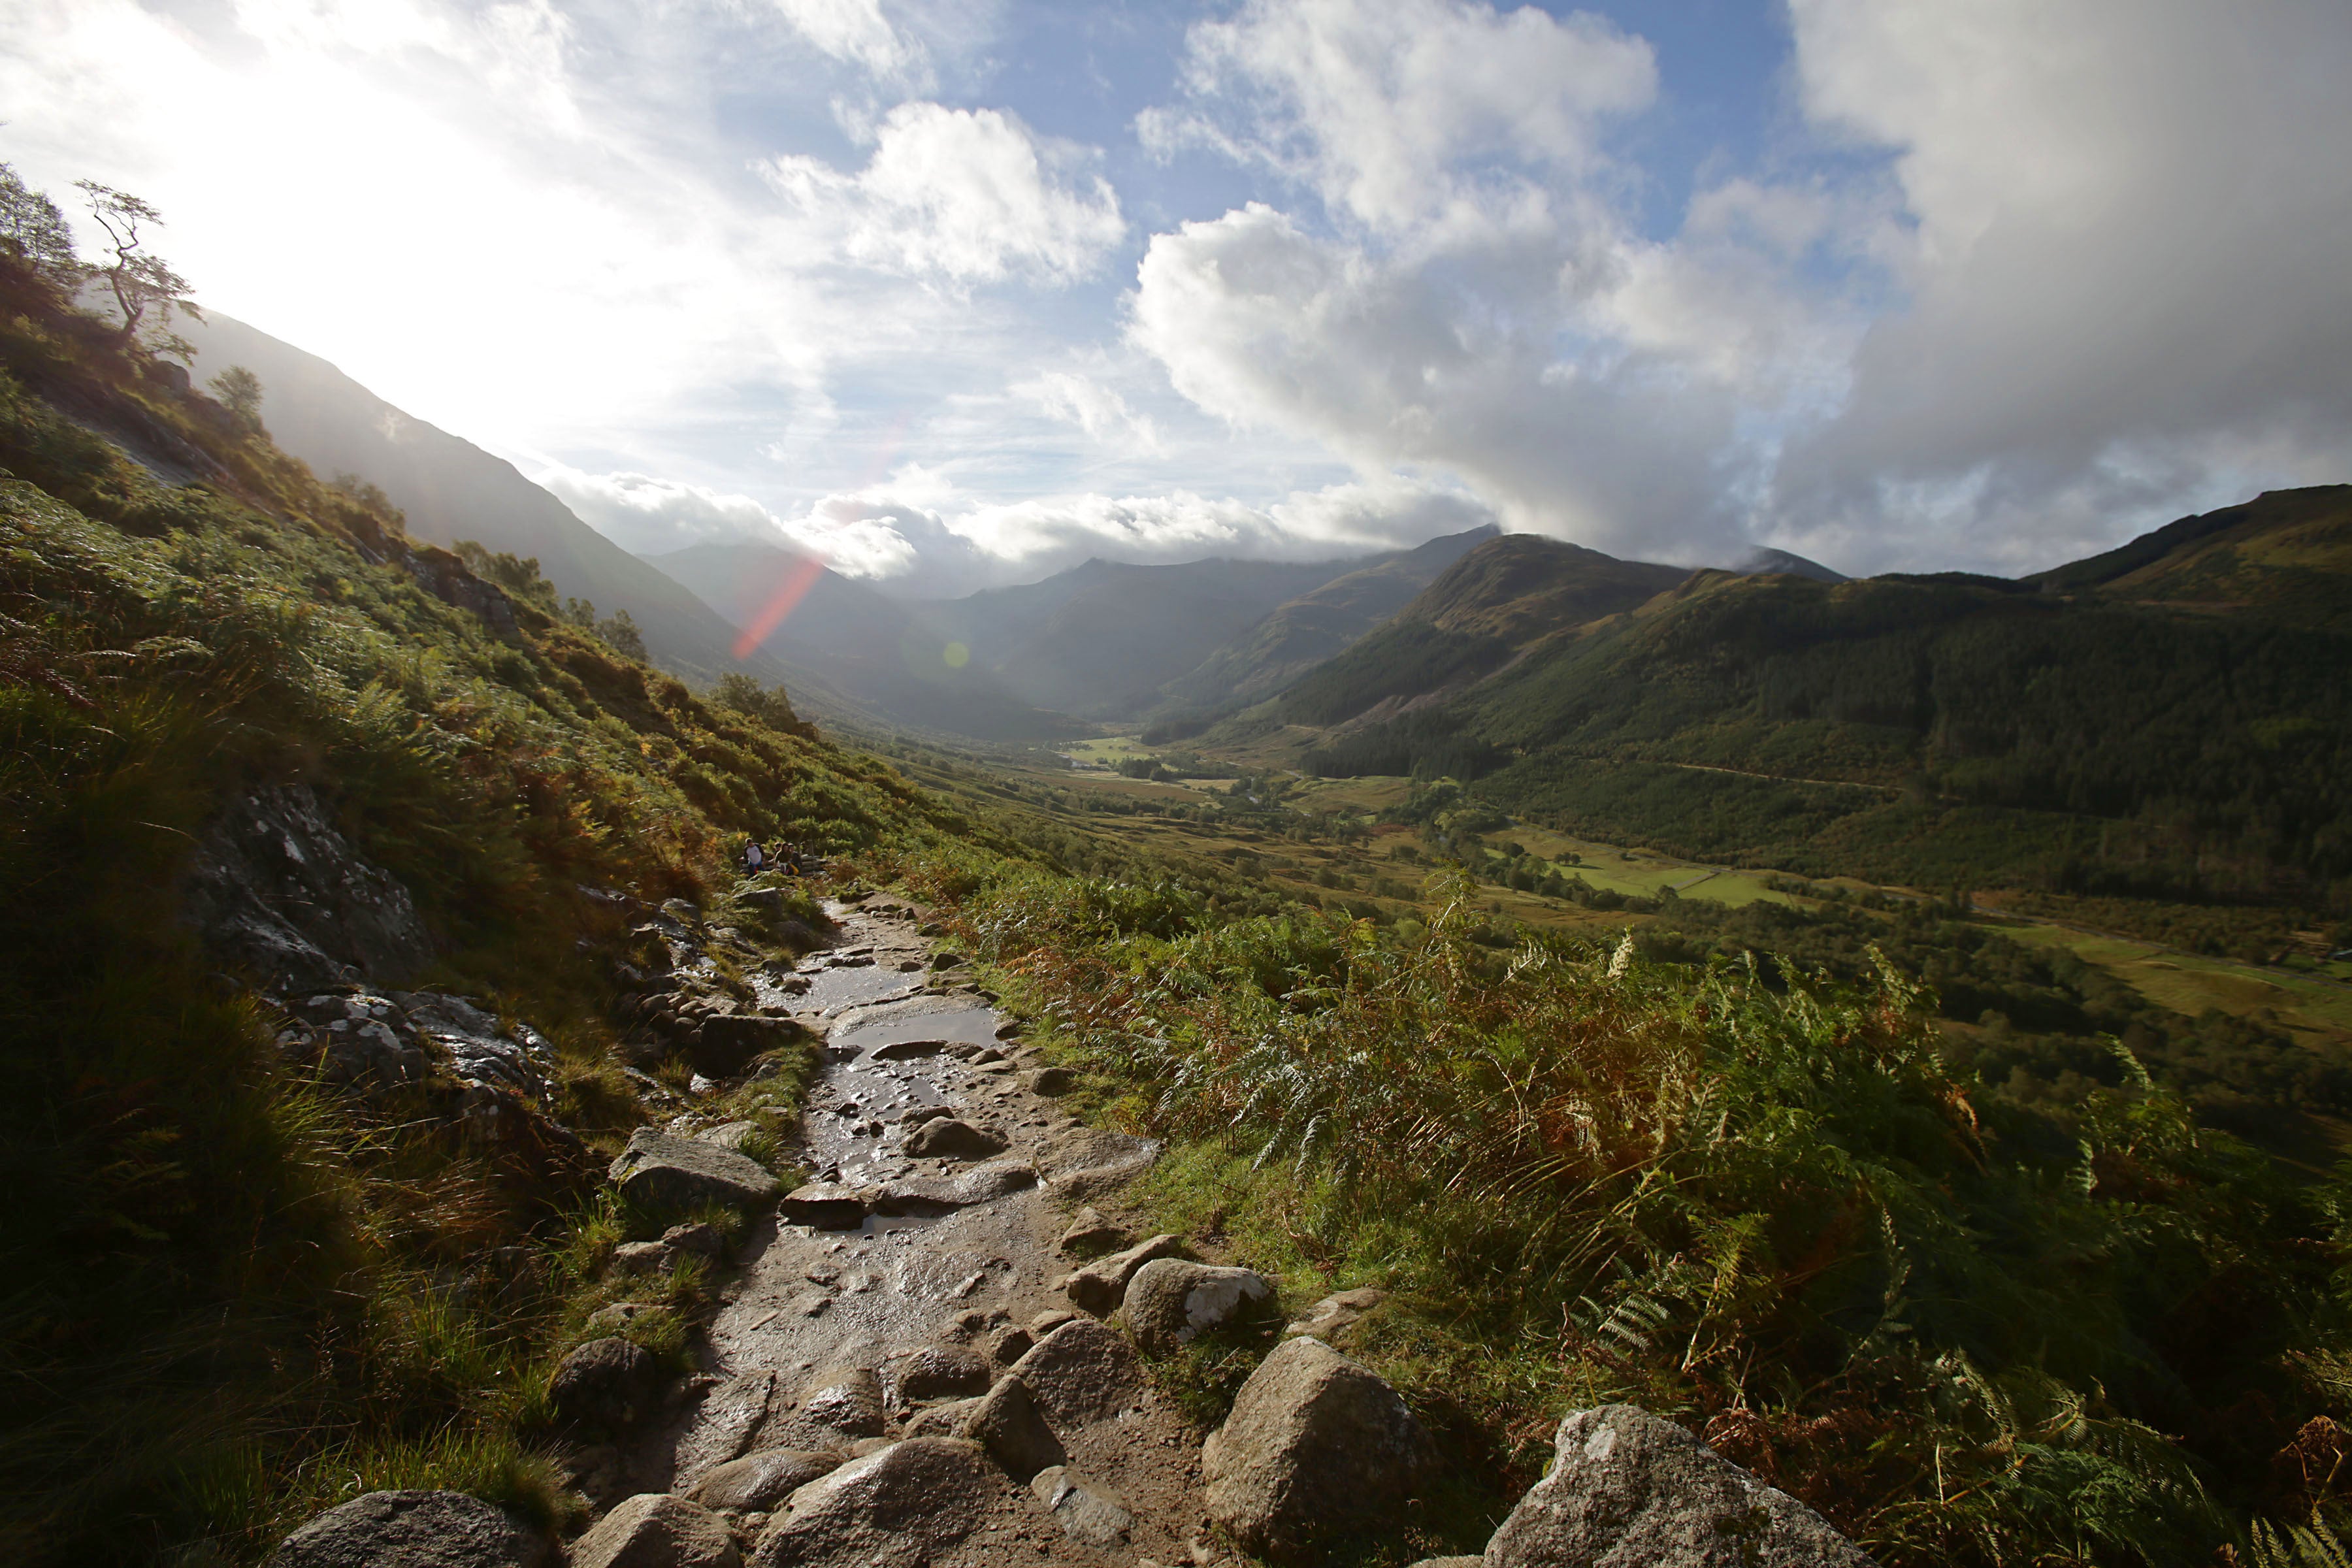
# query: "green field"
[[2190, 984]]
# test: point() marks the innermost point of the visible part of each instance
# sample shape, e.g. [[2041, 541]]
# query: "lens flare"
[[798, 579]]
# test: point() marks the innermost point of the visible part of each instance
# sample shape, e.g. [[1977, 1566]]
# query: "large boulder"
[[1317, 1449], [941, 1372], [1171, 1303], [1627, 1488], [757, 1482], [666, 1172], [899, 1505], [606, 1382], [414, 1530], [1079, 1373], [1101, 1285], [654, 1529], [1007, 1423]]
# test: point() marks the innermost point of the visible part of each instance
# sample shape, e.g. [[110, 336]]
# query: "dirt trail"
[[923, 1269]]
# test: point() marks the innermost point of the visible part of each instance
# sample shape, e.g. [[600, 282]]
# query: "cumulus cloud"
[[857, 32], [650, 516], [2125, 276], [969, 195], [1078, 399]]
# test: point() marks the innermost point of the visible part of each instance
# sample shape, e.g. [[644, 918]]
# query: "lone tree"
[[34, 236], [140, 280], [239, 391]]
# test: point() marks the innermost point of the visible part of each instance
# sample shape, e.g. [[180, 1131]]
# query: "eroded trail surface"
[[889, 1300]]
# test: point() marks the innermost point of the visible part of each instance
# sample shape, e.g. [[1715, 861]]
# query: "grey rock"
[[728, 1134], [1007, 1423], [279, 892], [1627, 1488], [952, 1138], [906, 1050], [1049, 1081], [1046, 1321], [1009, 1345], [1089, 1512], [619, 1315], [980, 1184], [606, 1382], [663, 1171], [1170, 1302], [699, 1239], [828, 1206], [414, 1530], [757, 1482], [938, 1420], [1081, 1372], [1333, 1318], [846, 1402], [1317, 1449], [1101, 1286], [899, 1505], [1090, 1234], [643, 1258], [654, 1530], [941, 1372]]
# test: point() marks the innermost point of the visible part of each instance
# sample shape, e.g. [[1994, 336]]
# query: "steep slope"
[[1303, 632], [2179, 724], [452, 490], [873, 649], [1484, 610], [2286, 556]]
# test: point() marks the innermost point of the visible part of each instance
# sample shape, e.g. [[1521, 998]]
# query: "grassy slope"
[[229, 1297]]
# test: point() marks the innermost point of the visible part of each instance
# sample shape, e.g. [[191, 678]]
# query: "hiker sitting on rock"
[[753, 859]]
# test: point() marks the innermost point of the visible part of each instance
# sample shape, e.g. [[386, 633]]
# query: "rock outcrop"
[[606, 1382], [414, 1530], [278, 891], [1626, 1487], [1317, 1449]]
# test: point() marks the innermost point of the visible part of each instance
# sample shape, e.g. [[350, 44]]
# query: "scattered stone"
[[1626, 1487], [923, 1113], [846, 1401], [906, 1050], [980, 1184], [643, 1258], [1006, 1422], [1081, 1372], [1012, 1028], [1089, 1512], [654, 1529], [828, 1205], [1450, 1562], [1332, 1317], [938, 1420], [619, 1315], [701, 1240], [901, 1505], [1318, 1448], [1101, 1286], [758, 1482], [952, 1138], [1046, 1321], [1171, 1303], [945, 960], [414, 1530], [941, 1372], [606, 1382], [662, 1172], [1090, 1235], [727, 1424], [1009, 1345], [728, 1134], [1049, 1081]]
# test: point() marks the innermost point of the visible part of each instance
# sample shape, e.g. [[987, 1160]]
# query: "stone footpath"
[[929, 1356]]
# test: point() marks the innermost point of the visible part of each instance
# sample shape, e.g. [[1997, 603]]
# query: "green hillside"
[[2145, 733]]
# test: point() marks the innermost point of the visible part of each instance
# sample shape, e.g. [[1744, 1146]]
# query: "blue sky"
[[959, 293]]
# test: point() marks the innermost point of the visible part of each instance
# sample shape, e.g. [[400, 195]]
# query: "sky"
[[961, 293]]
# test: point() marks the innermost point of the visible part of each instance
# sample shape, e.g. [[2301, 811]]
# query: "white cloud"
[[1077, 399], [969, 195], [1394, 109], [2126, 279], [858, 33], [649, 516]]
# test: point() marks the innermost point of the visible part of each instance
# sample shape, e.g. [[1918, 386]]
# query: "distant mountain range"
[[2171, 718]]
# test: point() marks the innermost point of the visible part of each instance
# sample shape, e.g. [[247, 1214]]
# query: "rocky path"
[[922, 1265]]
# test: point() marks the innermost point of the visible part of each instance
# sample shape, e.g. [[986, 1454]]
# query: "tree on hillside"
[[767, 704], [140, 280], [34, 234], [239, 391]]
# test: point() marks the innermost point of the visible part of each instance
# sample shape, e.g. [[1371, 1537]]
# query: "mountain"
[[1302, 632], [1476, 616], [1766, 562], [875, 650], [1101, 640], [2171, 719], [452, 490]]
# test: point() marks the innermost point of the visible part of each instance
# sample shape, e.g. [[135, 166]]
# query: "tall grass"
[[1748, 1197]]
